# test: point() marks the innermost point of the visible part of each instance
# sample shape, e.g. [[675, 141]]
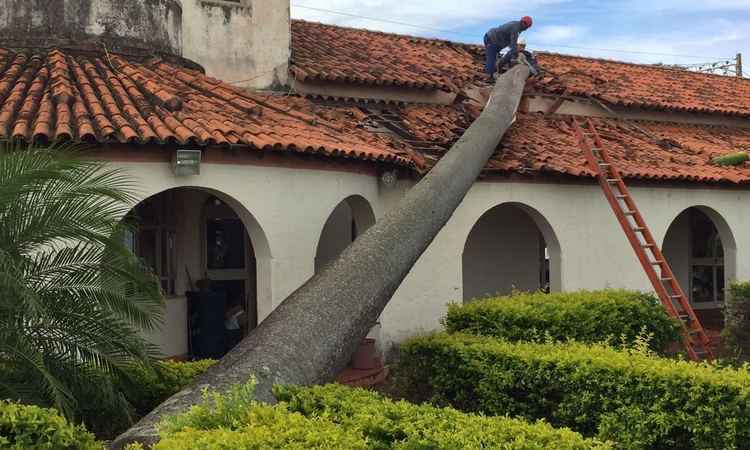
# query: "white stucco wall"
[[247, 43], [285, 211]]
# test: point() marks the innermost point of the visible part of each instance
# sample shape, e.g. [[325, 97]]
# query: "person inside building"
[[504, 36], [233, 316]]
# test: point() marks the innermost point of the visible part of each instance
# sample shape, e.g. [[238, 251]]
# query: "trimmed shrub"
[[25, 427], [400, 425], [736, 332], [337, 417], [234, 420], [265, 427], [637, 400], [586, 316], [151, 386]]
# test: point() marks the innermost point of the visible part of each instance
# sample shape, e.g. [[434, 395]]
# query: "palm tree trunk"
[[310, 337]]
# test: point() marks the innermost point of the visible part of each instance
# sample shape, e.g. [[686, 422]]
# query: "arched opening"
[[701, 249], [351, 217], [197, 243], [511, 247]]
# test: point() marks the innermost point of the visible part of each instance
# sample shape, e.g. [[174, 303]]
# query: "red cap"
[[526, 21]]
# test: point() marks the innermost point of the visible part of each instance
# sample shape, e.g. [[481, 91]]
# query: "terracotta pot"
[[366, 357]]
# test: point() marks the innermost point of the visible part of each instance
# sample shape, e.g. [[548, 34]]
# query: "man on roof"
[[530, 59], [501, 37]]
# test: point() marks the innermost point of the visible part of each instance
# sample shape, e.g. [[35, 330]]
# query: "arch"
[[183, 210], [349, 219], [699, 244], [511, 246]]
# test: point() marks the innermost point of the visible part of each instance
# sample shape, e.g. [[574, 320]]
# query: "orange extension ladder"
[[694, 337]]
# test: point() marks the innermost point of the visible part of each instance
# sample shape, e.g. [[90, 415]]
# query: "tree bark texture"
[[310, 337]]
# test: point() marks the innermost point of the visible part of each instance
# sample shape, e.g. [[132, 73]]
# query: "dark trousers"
[[492, 50]]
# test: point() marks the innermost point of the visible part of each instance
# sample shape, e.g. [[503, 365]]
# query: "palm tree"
[[73, 298], [312, 334]]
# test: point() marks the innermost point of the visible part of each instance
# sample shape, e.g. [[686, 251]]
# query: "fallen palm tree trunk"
[[313, 333]]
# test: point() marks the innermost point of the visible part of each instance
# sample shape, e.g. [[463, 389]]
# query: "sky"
[[647, 31]]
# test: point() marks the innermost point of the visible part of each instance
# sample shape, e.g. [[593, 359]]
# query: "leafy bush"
[[235, 421], [736, 332], [337, 417], [24, 427], [401, 425], [148, 386], [586, 316], [635, 399]]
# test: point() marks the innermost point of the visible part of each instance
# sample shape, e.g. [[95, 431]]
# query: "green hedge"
[[402, 425], [149, 387], [586, 316], [24, 427], [336, 417], [736, 333], [637, 400]]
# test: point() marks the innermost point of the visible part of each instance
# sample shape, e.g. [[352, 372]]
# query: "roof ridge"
[[390, 34]]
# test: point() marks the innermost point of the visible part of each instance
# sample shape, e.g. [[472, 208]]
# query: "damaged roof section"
[[102, 97], [546, 145]]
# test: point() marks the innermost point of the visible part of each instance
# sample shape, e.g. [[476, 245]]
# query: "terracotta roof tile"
[[332, 53], [109, 98], [328, 52], [646, 86]]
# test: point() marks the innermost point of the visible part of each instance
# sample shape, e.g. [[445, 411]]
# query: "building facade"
[[309, 133]]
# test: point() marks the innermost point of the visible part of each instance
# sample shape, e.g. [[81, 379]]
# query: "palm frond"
[[74, 300]]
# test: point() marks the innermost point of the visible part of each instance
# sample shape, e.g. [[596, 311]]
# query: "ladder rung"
[[648, 245], [685, 318], [629, 213], [657, 263], [621, 196], [612, 180], [666, 279], [639, 229]]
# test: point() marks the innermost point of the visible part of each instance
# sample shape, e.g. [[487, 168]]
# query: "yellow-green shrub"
[[25, 427], [586, 316], [234, 420], [337, 417], [637, 400], [265, 427], [401, 425]]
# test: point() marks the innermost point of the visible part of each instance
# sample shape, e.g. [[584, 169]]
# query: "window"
[[155, 238]]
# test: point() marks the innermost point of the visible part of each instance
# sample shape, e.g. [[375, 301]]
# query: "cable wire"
[[458, 33]]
